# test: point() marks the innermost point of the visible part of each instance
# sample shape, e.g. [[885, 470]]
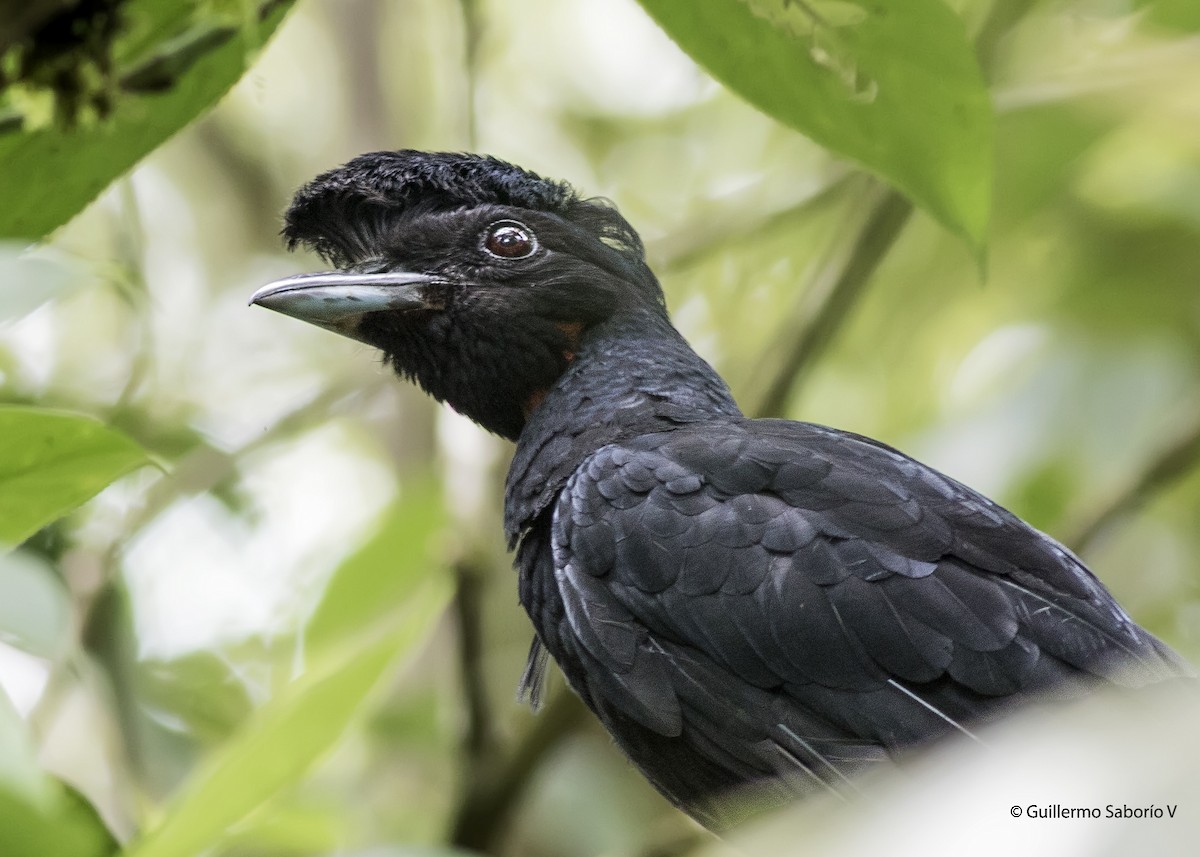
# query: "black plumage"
[[753, 608]]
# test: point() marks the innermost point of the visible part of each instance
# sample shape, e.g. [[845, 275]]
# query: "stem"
[[819, 324], [358, 24], [684, 842], [207, 466], [473, 27], [487, 808], [132, 255], [834, 292], [700, 241], [479, 742], [1002, 17], [1172, 463]]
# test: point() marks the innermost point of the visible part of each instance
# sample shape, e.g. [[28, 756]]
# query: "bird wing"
[[771, 575]]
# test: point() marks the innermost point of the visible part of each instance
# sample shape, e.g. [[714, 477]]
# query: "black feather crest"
[[343, 213]]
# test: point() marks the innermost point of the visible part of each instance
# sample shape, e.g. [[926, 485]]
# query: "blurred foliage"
[[99, 84], [847, 75], [39, 815], [284, 737], [52, 463], [202, 659], [1095, 754]]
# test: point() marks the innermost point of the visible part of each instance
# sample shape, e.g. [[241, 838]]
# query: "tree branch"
[[207, 466], [685, 841], [358, 24], [697, 242], [1003, 16], [1174, 461], [487, 807], [844, 279], [473, 27], [479, 739], [826, 305]]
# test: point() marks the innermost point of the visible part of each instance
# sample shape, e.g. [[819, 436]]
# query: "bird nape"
[[754, 608]]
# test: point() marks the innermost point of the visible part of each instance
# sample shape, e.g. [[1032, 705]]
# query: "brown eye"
[[509, 240]]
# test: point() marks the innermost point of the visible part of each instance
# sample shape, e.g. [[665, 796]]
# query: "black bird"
[[753, 608]]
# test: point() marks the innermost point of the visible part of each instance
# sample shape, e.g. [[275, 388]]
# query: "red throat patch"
[[572, 330]]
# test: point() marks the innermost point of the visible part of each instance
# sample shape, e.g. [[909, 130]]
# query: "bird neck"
[[632, 375]]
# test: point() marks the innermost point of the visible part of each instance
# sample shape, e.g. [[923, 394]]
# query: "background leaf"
[[384, 571], [35, 607], [896, 89], [288, 734], [1182, 15], [49, 173], [39, 816], [29, 281], [52, 462]]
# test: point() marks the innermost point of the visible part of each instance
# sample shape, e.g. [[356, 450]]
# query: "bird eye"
[[509, 240]]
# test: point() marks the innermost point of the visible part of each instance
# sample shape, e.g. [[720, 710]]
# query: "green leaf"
[[285, 737], [413, 851], [893, 86], [294, 826], [29, 281], [39, 816], [52, 462], [70, 828], [35, 608], [1178, 15], [19, 771], [48, 174], [198, 693], [382, 573]]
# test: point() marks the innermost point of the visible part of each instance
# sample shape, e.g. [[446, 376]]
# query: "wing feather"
[[796, 590]]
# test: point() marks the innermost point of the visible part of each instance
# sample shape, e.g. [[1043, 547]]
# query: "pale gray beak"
[[338, 300]]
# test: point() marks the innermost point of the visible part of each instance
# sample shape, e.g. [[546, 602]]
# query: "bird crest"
[[344, 213]]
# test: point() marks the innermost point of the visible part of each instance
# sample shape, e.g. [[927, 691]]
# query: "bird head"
[[477, 279]]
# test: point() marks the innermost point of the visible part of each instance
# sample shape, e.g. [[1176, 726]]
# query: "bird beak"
[[338, 300]]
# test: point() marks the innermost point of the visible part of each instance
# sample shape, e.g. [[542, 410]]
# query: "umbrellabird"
[[753, 608]]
